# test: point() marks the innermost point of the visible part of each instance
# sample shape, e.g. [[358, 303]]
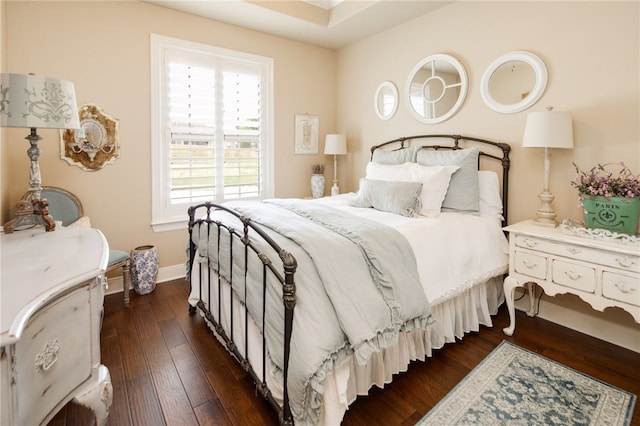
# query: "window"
[[211, 127]]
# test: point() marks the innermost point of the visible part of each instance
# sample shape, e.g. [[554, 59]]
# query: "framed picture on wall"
[[306, 134]]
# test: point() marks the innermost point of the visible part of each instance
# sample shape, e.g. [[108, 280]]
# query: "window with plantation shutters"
[[212, 139]]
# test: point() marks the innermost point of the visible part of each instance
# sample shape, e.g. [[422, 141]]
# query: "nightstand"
[[603, 273]]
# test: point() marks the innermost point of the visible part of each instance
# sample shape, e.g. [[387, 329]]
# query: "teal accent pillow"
[[399, 156], [462, 195], [401, 198]]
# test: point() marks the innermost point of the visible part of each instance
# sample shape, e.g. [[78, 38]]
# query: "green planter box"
[[615, 214]]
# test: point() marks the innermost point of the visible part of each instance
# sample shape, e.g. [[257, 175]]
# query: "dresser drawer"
[[621, 287], [572, 275], [585, 254], [54, 355], [531, 265]]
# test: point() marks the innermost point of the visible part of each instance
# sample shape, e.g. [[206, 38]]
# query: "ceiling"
[[326, 23]]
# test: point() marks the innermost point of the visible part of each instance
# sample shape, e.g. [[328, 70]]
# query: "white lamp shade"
[[335, 144], [34, 101], [548, 129]]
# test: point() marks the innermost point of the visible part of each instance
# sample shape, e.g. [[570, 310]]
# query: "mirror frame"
[[539, 87], [376, 105], [464, 86]]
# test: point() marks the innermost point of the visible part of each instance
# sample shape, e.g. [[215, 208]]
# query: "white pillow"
[[434, 179], [489, 194]]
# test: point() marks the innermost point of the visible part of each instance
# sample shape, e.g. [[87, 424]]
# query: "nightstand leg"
[[532, 299], [510, 285]]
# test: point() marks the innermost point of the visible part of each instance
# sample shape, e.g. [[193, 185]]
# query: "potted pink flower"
[[610, 200]]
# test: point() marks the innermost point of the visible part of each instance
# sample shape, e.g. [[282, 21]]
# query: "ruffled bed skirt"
[[453, 318]]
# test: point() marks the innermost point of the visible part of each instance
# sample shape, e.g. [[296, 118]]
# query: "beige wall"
[[103, 47], [4, 171], [591, 50]]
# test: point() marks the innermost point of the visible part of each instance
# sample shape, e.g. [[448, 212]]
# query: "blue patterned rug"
[[514, 386]]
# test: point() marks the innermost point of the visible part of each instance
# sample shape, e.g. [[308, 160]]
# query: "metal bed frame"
[[284, 271]]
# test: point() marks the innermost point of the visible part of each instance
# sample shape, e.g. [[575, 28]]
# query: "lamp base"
[[335, 190], [545, 214], [29, 214]]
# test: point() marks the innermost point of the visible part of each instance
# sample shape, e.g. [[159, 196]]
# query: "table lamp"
[[33, 101], [547, 129], [335, 144]]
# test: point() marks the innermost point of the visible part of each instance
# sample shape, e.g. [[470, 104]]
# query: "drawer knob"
[[529, 242], [529, 265], [623, 288], [48, 356], [573, 275], [625, 261], [573, 250]]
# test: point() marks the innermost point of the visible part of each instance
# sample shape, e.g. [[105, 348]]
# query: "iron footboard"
[[283, 272]]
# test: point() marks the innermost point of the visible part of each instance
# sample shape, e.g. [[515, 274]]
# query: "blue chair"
[[67, 208]]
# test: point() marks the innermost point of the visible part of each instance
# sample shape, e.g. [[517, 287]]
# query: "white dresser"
[[51, 299], [602, 273]]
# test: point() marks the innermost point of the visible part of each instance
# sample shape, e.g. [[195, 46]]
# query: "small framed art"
[[306, 134]]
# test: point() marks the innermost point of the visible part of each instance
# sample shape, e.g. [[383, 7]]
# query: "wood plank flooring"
[[167, 368]]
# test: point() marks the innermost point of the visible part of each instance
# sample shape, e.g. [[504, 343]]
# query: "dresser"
[[603, 273], [51, 301]]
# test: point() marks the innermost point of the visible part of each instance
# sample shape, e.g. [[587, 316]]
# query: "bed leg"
[[192, 310]]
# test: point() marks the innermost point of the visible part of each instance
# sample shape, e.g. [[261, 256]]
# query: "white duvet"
[[454, 251]]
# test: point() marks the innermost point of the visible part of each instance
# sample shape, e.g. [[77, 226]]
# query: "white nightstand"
[[602, 273]]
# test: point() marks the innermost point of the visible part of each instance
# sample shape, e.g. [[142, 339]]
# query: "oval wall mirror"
[[514, 82], [385, 101], [436, 88]]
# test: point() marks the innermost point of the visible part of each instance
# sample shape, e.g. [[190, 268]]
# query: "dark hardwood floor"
[[167, 368]]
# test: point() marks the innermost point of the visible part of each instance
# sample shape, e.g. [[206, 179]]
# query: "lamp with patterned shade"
[[33, 102]]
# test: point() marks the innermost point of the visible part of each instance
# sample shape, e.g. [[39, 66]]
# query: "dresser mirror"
[[385, 101], [436, 88], [514, 82]]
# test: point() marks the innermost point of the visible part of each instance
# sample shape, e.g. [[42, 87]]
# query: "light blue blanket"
[[357, 287]]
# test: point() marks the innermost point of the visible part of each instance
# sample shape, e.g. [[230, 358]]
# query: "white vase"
[[317, 186], [144, 269]]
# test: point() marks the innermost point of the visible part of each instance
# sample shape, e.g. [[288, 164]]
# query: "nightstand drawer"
[[54, 355], [573, 275], [621, 287], [531, 265], [585, 254]]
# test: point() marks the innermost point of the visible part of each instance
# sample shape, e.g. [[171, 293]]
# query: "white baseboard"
[[614, 325], [168, 273]]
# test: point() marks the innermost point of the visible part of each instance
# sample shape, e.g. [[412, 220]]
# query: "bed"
[[319, 300]]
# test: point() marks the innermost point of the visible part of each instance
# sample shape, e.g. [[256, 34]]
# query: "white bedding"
[[449, 239], [455, 275]]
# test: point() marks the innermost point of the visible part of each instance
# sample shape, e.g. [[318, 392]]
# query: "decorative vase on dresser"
[[615, 214], [52, 287]]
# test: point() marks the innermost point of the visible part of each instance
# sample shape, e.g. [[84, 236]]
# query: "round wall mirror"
[[385, 101], [514, 82], [436, 88]]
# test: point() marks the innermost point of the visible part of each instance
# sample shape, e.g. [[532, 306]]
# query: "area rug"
[[514, 386]]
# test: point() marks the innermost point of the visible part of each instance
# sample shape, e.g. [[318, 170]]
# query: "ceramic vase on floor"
[[144, 269], [317, 186]]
